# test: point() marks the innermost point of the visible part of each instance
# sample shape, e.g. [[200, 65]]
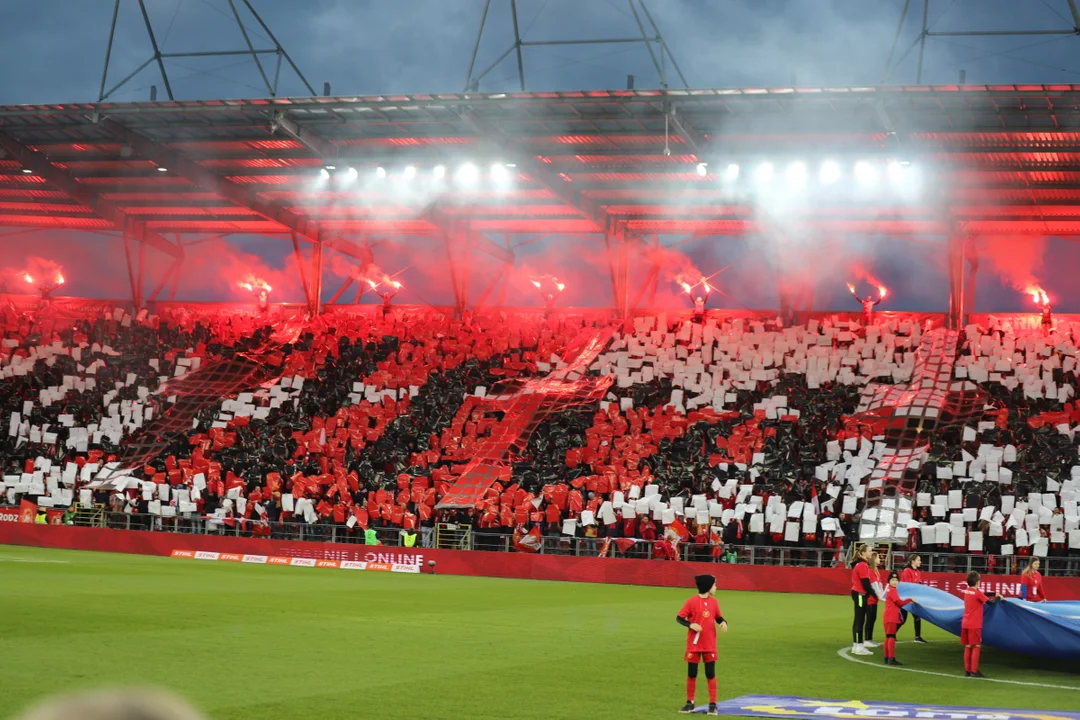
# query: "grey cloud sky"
[[379, 46]]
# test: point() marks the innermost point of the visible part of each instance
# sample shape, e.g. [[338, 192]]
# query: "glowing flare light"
[[1038, 296]]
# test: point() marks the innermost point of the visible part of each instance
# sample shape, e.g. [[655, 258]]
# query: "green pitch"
[[246, 641]]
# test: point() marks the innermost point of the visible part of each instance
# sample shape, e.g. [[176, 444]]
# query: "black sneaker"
[[978, 675], [967, 673], [687, 708], [921, 641], [896, 663], [712, 709]]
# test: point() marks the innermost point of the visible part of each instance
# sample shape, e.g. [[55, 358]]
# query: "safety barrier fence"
[[518, 565], [561, 545]]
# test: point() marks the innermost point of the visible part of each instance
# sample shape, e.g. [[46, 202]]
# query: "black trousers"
[[871, 619], [918, 622], [859, 601]]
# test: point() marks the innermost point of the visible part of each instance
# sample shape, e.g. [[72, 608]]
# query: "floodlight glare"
[[380, 172], [324, 174], [796, 174], [895, 171], [162, 169], [410, 172], [499, 173], [351, 174], [764, 172], [467, 173], [439, 172], [865, 173], [830, 172], [702, 169], [731, 174]]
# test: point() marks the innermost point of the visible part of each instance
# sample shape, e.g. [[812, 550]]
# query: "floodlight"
[[830, 172], [467, 173], [796, 174], [865, 173]]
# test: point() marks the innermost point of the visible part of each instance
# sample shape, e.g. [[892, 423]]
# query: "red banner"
[[10, 515], [492, 564]]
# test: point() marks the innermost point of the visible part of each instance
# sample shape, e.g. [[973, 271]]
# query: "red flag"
[[678, 530], [604, 547], [624, 544], [530, 542], [27, 511]]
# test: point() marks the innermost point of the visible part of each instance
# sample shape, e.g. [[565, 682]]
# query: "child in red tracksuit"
[[700, 615], [892, 618], [971, 625]]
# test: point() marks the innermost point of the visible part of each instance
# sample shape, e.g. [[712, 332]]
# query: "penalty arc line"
[[846, 654]]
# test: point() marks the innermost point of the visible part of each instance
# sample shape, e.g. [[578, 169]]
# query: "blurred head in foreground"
[[134, 704]]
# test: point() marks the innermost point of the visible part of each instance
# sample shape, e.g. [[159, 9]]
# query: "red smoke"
[[37, 272], [1017, 261]]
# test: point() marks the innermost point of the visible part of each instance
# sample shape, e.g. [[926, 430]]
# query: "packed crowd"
[[720, 432]]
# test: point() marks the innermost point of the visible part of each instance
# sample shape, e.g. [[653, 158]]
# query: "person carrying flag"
[[891, 618], [912, 574], [972, 623], [700, 615]]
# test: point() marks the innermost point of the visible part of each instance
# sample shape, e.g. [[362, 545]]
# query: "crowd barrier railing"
[[483, 541]]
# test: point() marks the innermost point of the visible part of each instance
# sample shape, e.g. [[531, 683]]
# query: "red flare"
[[851, 288], [59, 279], [882, 291], [687, 287], [28, 278]]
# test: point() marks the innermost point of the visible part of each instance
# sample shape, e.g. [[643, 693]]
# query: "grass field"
[[249, 641]]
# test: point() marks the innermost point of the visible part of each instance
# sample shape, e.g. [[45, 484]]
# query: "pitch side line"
[[31, 560], [846, 654]]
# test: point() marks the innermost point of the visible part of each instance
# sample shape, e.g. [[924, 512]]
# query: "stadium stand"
[[730, 439]]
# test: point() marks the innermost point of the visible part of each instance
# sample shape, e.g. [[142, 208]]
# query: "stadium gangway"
[[1066, 566]]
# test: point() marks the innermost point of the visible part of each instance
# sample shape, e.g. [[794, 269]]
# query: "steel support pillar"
[[957, 250], [970, 283], [456, 242], [300, 267], [618, 252], [136, 289], [317, 268]]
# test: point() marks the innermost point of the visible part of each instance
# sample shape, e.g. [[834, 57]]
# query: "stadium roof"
[[1000, 159]]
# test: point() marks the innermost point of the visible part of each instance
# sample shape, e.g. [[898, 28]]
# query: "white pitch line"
[[32, 560], [845, 653]]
